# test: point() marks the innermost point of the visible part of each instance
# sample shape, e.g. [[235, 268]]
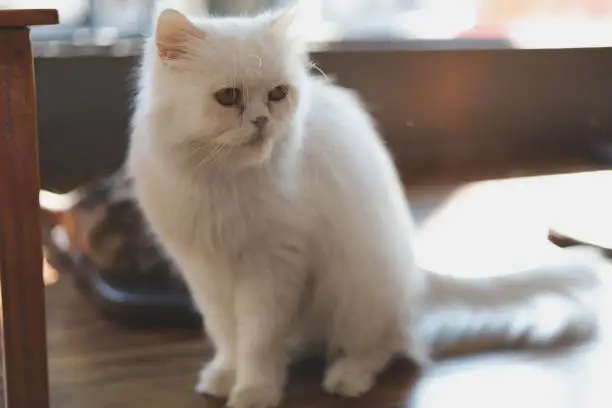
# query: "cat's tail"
[[552, 304]]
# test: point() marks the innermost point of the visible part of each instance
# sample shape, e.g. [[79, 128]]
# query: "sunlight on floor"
[[496, 226], [492, 381]]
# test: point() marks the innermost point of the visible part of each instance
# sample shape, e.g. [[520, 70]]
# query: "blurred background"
[[458, 87], [525, 22], [446, 79]]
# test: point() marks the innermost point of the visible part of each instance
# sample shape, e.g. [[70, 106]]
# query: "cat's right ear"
[[173, 33]]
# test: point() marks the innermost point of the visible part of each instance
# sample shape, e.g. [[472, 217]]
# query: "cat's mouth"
[[256, 139]]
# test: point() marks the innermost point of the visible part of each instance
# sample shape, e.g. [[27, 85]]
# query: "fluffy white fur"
[[299, 236]]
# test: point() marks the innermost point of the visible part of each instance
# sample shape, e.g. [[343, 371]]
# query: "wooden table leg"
[[21, 263]]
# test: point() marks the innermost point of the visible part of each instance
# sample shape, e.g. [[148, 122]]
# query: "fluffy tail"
[[548, 305]]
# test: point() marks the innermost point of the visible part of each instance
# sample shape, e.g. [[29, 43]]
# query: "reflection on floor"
[[477, 228]]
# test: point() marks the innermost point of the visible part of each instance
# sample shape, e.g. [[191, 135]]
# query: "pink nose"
[[260, 122]]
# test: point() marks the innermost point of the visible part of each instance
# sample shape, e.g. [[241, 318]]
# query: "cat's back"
[[335, 110], [343, 145]]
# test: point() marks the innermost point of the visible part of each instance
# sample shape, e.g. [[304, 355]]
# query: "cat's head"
[[226, 90]]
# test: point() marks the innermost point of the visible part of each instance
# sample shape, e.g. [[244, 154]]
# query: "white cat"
[[274, 194]]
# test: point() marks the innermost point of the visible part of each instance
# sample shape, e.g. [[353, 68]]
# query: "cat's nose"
[[260, 122]]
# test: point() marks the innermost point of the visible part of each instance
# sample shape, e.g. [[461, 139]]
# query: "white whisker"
[[314, 66], [200, 147], [208, 158], [217, 156]]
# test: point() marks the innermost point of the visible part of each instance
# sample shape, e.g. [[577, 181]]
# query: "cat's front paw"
[[255, 396], [216, 380], [349, 378]]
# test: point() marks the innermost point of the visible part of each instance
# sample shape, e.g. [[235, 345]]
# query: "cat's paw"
[[349, 378], [216, 380], [255, 396]]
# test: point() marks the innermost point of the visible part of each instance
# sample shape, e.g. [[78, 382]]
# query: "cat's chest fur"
[[224, 218]]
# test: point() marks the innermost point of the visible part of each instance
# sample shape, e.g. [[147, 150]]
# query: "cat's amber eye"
[[279, 93], [229, 96]]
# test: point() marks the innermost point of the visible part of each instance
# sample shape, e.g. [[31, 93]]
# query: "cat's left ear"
[[173, 32], [287, 22]]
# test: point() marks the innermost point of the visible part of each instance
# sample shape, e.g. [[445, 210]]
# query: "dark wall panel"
[[441, 111]]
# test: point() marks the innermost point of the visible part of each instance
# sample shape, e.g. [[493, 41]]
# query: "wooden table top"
[[22, 18]]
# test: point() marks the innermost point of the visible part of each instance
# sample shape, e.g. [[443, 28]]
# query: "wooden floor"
[[475, 229]]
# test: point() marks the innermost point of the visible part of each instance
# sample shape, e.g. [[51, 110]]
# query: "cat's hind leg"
[[361, 339], [354, 374], [370, 322]]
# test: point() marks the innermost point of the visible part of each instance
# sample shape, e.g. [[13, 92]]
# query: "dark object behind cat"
[[101, 221], [97, 234]]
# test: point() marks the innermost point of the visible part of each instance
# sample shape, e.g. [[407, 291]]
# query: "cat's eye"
[[229, 96], [279, 93]]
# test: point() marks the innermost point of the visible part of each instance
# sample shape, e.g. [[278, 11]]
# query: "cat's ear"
[[286, 22], [172, 34]]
